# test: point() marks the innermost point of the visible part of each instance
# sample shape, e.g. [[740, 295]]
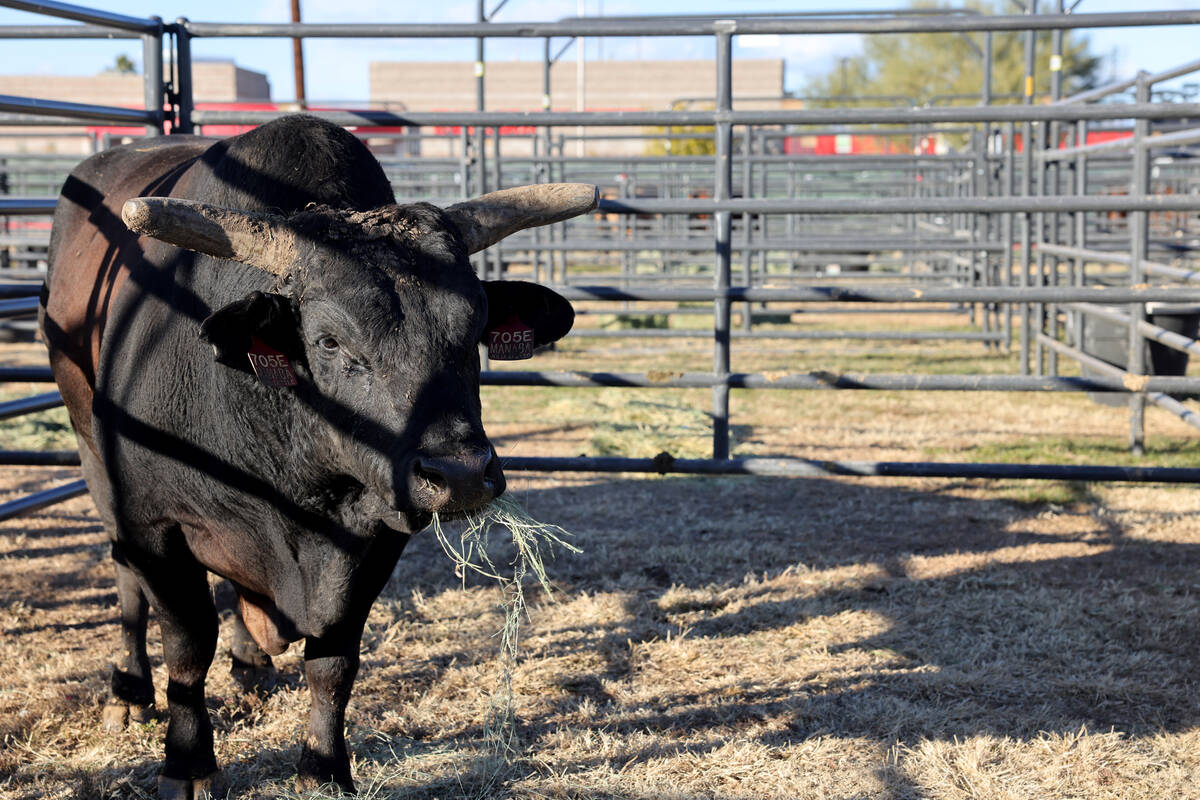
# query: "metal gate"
[[1006, 230]]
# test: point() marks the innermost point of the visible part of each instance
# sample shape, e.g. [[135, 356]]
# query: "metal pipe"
[[1026, 339], [897, 294], [825, 381], [1146, 391], [9, 291], [26, 375], [39, 458], [89, 16], [38, 500], [900, 205], [805, 116], [30, 405], [664, 333], [601, 26], [1139, 245], [80, 111], [184, 87], [64, 32], [1189, 136], [706, 118], [1109, 257], [723, 225], [805, 468], [1120, 86], [152, 78], [811, 246], [19, 307]]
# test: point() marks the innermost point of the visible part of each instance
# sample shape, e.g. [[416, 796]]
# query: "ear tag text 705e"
[[512, 341], [271, 366]]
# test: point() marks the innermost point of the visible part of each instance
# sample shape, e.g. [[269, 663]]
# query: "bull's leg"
[[132, 685], [330, 665], [188, 620]]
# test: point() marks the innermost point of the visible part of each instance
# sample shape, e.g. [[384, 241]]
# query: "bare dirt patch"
[[723, 637]]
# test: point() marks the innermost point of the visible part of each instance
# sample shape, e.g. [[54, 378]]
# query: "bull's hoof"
[[210, 787], [117, 715]]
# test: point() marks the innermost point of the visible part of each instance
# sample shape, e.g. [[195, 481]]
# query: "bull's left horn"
[[258, 240], [487, 219]]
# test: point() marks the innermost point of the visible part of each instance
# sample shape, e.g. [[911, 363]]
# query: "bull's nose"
[[459, 482]]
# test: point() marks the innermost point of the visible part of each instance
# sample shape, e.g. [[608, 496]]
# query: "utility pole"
[[298, 59]]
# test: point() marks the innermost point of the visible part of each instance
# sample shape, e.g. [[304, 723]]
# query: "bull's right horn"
[[487, 219], [258, 240]]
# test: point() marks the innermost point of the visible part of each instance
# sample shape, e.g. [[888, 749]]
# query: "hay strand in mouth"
[[534, 543]]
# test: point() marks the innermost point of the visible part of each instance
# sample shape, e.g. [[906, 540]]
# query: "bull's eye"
[[328, 344]]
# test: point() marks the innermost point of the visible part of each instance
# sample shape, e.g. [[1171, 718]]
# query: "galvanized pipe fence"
[[1010, 230]]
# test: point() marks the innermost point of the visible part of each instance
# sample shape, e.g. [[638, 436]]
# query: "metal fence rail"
[[1027, 231]]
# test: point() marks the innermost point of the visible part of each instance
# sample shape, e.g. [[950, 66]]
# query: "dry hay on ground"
[[718, 638]]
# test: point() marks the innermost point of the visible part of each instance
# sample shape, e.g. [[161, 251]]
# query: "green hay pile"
[[534, 542]]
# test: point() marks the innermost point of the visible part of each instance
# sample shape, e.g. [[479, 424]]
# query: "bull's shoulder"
[[91, 253]]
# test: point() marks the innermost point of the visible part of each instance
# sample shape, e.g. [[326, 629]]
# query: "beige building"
[[213, 82], [608, 86]]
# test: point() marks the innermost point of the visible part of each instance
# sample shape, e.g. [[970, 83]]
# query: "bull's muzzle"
[[464, 481]]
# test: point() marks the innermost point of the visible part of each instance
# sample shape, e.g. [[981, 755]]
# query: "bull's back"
[[92, 253]]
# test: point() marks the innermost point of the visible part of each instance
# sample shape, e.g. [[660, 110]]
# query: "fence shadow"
[[987, 616]]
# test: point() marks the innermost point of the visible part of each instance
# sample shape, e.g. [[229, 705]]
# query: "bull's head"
[[380, 315]]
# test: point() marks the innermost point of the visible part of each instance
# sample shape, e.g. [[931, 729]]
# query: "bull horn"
[[257, 240], [487, 219]]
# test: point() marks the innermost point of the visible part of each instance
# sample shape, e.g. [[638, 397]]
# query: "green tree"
[[926, 67], [702, 145], [123, 66]]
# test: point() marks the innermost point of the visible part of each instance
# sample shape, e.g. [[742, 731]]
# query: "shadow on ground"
[[883, 613]]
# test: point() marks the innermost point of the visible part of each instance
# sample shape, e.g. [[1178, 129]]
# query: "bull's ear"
[[269, 318], [544, 310]]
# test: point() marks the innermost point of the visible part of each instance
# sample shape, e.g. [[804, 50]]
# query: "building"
[[213, 82], [607, 86]]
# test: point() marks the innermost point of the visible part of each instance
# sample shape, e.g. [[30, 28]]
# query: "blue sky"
[[337, 70]]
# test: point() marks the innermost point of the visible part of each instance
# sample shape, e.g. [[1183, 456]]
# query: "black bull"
[[281, 402]]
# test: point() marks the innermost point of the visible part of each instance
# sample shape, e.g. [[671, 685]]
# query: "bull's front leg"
[[188, 619], [330, 665]]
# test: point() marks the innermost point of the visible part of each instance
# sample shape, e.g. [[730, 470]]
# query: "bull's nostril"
[[429, 479]]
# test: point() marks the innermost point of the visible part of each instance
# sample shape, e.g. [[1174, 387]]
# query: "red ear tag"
[[271, 366], [511, 341]]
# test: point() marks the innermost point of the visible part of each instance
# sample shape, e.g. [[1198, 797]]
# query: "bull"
[[272, 370]]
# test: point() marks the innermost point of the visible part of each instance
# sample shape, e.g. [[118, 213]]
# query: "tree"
[[702, 145], [123, 66], [925, 68]]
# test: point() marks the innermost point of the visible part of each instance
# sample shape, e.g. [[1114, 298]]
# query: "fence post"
[[1026, 188], [1139, 233], [152, 76], [183, 87], [748, 224], [722, 221], [1080, 224], [1008, 190]]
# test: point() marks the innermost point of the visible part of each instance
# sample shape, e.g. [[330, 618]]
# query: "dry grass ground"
[[717, 638]]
